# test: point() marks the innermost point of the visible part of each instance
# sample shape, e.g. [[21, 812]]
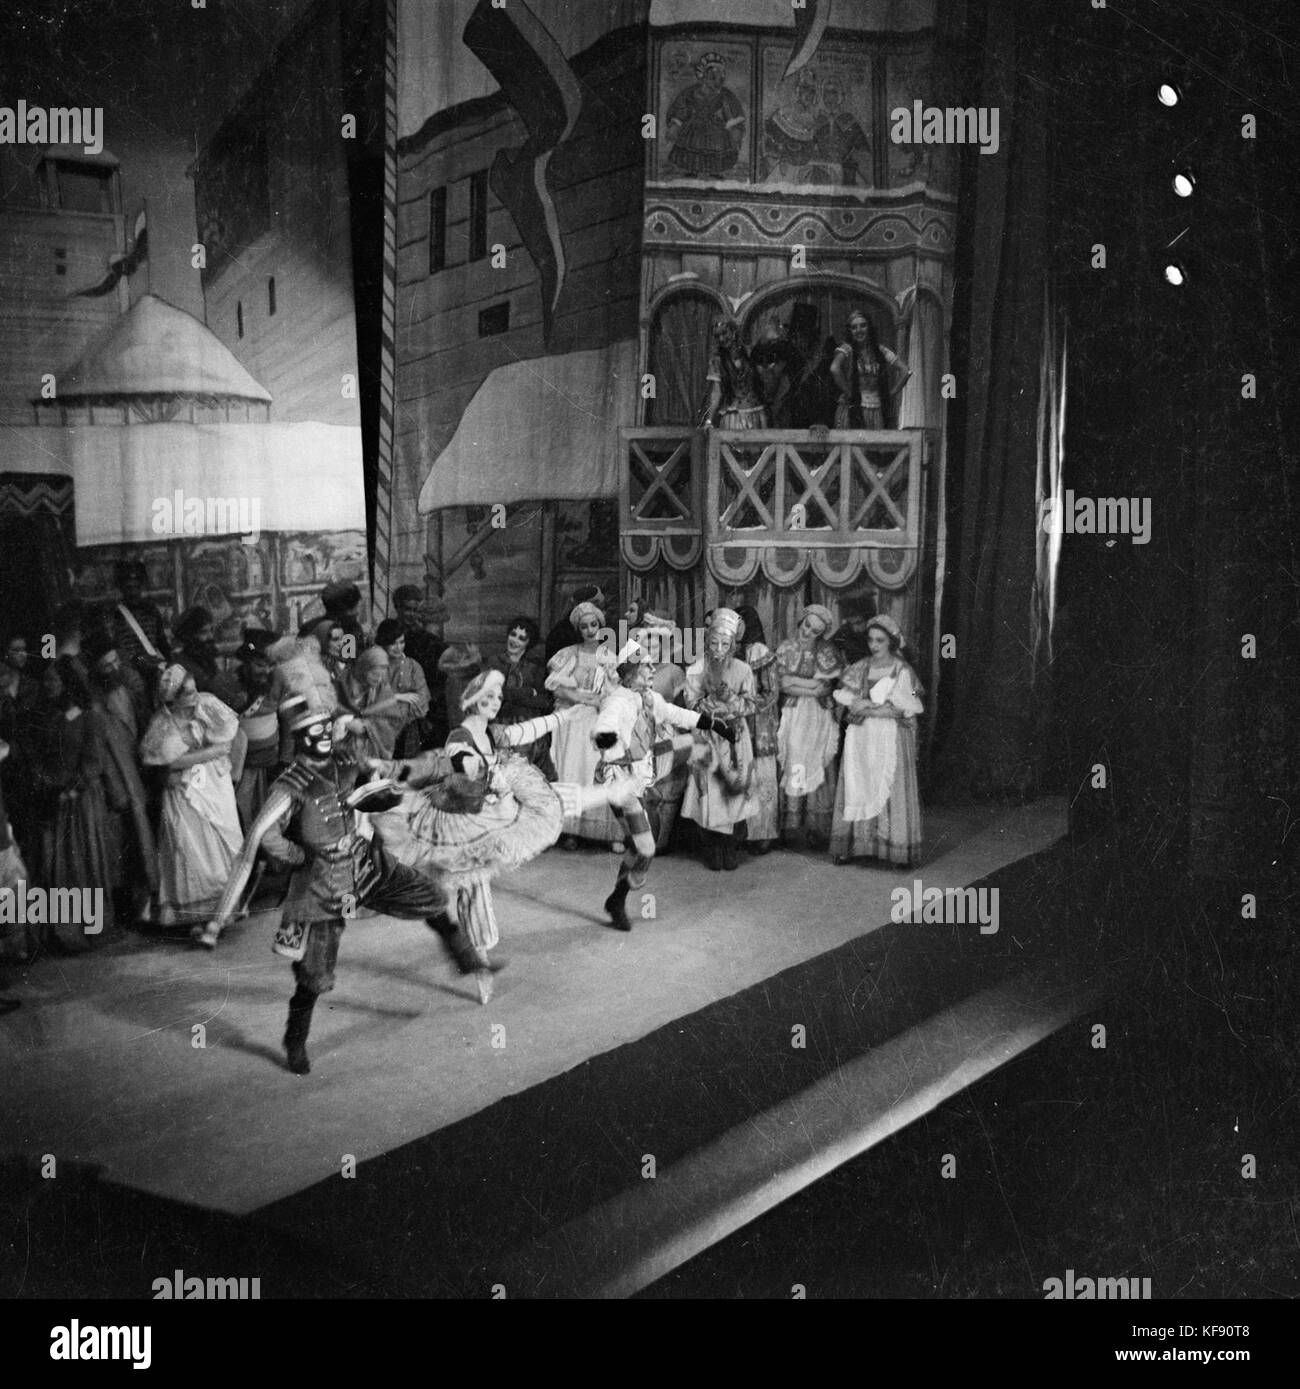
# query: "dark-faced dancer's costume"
[[625, 734], [520, 814], [310, 822]]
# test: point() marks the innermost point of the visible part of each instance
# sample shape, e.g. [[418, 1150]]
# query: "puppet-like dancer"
[[310, 821], [629, 718], [520, 815]]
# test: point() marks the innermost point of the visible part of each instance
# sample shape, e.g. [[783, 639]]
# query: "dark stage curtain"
[[988, 740]]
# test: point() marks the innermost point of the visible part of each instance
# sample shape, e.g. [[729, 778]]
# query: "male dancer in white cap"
[[624, 733]]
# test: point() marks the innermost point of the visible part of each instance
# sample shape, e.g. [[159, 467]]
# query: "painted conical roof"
[[157, 349]]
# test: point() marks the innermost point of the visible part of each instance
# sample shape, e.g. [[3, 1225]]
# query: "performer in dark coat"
[[310, 822]]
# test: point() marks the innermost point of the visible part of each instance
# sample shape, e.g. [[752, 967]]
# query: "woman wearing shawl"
[[407, 678], [808, 667], [877, 804], [380, 712], [579, 675], [199, 835]]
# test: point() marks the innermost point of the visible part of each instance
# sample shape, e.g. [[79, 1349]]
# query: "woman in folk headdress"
[[808, 667], [763, 826], [579, 675], [877, 803], [199, 836], [520, 815], [718, 794]]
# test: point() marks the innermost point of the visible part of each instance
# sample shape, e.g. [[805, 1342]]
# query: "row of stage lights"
[[1183, 182]]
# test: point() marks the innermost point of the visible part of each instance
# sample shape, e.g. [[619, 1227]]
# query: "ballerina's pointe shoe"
[[206, 936], [483, 978]]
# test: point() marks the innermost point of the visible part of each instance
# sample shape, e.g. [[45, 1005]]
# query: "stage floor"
[[101, 1064]]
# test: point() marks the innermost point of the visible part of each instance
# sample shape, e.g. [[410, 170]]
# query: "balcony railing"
[[774, 487]]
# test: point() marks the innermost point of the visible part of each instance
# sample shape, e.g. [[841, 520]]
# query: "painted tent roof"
[[158, 349]]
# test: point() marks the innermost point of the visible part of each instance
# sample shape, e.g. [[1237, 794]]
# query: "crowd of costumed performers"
[[808, 745]]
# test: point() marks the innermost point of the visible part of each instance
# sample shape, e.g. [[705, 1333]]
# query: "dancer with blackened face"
[[337, 870]]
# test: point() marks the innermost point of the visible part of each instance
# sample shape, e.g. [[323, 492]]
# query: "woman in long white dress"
[[808, 667], [877, 803], [580, 675], [199, 836]]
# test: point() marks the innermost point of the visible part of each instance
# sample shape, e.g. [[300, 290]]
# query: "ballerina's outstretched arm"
[[515, 735]]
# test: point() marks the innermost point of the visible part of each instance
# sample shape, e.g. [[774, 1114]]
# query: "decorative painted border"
[[692, 223]]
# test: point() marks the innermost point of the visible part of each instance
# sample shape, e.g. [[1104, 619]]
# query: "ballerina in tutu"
[[521, 815]]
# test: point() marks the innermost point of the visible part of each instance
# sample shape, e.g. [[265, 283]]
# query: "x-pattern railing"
[[771, 487], [659, 478], [878, 480]]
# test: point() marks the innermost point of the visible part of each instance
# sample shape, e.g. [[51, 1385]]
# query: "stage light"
[[1184, 184], [1168, 94], [1175, 274]]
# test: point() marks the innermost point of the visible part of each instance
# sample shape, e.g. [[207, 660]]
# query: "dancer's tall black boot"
[[616, 903], [453, 942], [295, 1034]]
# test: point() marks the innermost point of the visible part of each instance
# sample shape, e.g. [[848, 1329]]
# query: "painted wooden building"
[[529, 411]]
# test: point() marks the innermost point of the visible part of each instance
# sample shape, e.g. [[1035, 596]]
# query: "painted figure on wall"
[[706, 123], [841, 142], [790, 149]]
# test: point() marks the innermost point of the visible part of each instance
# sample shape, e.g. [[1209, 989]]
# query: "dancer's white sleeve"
[[514, 735], [674, 714]]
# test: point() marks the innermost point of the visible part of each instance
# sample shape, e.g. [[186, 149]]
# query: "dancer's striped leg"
[[635, 867]]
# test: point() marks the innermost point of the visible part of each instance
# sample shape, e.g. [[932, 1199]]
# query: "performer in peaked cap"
[[625, 733], [310, 822]]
